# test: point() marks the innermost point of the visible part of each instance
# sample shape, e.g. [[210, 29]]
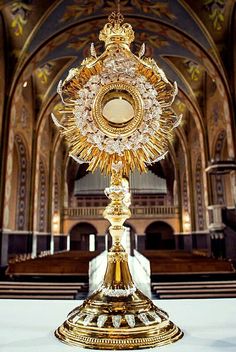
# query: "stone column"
[[100, 243], [216, 228], [140, 242], [68, 242], [3, 248], [183, 241], [34, 245]]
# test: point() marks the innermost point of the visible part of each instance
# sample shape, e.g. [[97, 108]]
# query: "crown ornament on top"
[[114, 32]]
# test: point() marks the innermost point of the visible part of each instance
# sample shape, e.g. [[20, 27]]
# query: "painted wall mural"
[[22, 187], [8, 179], [219, 145], [42, 201], [219, 194], [199, 196], [185, 194], [215, 9], [56, 195], [20, 15], [44, 72], [194, 70]]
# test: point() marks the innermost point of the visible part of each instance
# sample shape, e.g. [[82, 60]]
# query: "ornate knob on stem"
[[117, 211]]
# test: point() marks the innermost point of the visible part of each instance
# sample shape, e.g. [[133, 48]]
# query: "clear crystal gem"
[[144, 319], [155, 316], [101, 320], [116, 321], [148, 103], [88, 319], [76, 318], [117, 292], [130, 320]]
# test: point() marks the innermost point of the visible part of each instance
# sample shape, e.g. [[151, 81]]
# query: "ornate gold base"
[[118, 315], [106, 322]]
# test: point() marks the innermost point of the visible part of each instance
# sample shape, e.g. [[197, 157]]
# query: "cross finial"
[[116, 18]]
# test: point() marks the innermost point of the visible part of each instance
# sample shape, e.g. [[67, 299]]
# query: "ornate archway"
[[159, 235], [83, 237]]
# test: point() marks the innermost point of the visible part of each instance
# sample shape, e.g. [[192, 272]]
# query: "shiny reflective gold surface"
[[117, 106], [156, 330], [118, 109], [117, 116], [118, 315]]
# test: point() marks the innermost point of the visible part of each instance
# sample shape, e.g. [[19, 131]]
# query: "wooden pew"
[[198, 289], [64, 263], [184, 262]]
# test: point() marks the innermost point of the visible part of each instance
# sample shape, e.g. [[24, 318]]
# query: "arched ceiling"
[[187, 38], [49, 36]]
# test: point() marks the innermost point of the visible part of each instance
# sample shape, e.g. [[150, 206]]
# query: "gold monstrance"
[[117, 116]]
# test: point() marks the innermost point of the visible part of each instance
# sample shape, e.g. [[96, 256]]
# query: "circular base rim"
[[106, 339]]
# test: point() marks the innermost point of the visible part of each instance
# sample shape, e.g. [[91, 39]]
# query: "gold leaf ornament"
[[118, 105]]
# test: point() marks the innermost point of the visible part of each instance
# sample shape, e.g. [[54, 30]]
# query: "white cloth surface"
[[28, 325]]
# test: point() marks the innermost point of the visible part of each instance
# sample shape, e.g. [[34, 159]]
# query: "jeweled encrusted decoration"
[[144, 139], [130, 320], [101, 320], [88, 319], [77, 317], [144, 319], [116, 69], [116, 321], [155, 316], [117, 257], [118, 292]]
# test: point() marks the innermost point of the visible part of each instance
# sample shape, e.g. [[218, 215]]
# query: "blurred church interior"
[[183, 224]]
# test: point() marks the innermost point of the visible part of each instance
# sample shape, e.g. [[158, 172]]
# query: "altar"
[[208, 325]]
